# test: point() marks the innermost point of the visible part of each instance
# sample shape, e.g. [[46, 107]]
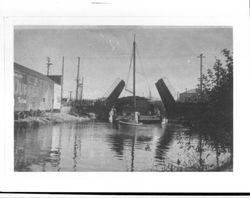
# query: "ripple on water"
[[98, 146]]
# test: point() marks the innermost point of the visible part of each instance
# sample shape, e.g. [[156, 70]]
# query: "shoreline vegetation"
[[49, 118], [213, 114], [216, 96]]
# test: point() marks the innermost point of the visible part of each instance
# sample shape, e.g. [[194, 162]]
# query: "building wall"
[[188, 97], [32, 90], [57, 96]]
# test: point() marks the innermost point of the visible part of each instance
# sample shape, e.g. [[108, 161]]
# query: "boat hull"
[[127, 123], [150, 119]]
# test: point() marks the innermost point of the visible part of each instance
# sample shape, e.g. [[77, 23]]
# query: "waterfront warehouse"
[[32, 90], [57, 90]]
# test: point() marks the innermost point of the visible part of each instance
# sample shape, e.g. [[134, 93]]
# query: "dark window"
[[43, 99]]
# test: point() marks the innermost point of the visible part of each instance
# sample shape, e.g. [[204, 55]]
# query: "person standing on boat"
[[137, 117], [111, 115]]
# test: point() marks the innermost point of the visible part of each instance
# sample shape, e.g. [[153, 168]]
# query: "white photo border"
[[236, 181]]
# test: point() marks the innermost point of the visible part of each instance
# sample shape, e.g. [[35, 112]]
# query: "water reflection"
[[96, 146], [117, 143], [55, 151], [163, 144], [37, 148], [76, 147]]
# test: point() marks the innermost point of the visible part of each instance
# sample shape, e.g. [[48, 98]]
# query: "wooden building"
[[32, 90], [190, 96], [57, 90]]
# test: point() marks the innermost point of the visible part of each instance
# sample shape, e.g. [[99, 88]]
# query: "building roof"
[[20, 68], [190, 91], [56, 78]]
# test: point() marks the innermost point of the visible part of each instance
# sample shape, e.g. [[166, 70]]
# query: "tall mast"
[[134, 96], [62, 80], [77, 78]]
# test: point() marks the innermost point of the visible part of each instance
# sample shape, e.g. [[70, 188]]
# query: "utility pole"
[[81, 89], [62, 81], [218, 72], [200, 57], [134, 45], [48, 65], [77, 78]]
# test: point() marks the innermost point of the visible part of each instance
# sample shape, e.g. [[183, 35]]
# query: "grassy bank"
[[49, 118]]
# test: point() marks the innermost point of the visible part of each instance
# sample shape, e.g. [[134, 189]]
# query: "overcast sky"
[[105, 54]]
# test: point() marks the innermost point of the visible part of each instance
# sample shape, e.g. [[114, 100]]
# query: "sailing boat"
[[132, 121]]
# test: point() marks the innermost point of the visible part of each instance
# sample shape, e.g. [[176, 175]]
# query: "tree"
[[217, 92]]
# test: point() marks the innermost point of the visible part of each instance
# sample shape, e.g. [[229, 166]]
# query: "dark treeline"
[[217, 95]]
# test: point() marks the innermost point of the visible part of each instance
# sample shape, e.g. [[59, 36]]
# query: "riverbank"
[[49, 118]]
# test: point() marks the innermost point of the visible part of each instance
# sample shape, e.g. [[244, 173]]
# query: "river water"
[[99, 146]]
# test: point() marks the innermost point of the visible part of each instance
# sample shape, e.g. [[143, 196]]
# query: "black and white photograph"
[[125, 98]]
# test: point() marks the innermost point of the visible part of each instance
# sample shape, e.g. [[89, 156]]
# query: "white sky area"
[[105, 53]]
